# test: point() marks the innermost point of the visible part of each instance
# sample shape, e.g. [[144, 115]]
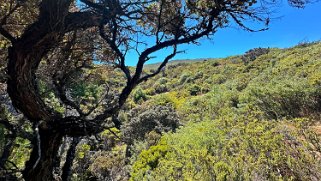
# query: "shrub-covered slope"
[[250, 117]]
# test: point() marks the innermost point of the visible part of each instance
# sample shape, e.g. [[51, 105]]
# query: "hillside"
[[173, 62], [250, 117]]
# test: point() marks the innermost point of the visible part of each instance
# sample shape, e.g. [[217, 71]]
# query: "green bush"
[[194, 89], [185, 77], [252, 54], [142, 121], [139, 95], [227, 149], [283, 98], [160, 88]]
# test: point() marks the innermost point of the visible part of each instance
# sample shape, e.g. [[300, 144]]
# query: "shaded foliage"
[[142, 121]]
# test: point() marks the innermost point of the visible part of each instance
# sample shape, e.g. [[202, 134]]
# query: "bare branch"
[[114, 47], [244, 26], [7, 35], [160, 68]]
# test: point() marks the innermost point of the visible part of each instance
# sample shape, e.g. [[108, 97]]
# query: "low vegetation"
[[249, 117]]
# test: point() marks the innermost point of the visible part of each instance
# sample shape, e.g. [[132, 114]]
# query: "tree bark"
[[27, 52], [24, 58], [25, 55], [67, 168], [41, 163]]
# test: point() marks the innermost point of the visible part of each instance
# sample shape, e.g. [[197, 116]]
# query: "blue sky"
[[292, 26]]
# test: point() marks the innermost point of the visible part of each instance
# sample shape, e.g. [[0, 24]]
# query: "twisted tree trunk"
[[24, 56], [41, 163]]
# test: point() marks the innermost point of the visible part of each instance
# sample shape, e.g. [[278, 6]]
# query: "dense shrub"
[[160, 88], [157, 118], [173, 99], [284, 98], [227, 149], [139, 95], [186, 77], [252, 54], [194, 89], [110, 165], [199, 75], [258, 132]]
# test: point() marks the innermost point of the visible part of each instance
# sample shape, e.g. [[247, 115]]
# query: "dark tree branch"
[[242, 25], [93, 5], [136, 79], [60, 80], [160, 68], [114, 47], [81, 20], [74, 127], [7, 35], [144, 55], [71, 154]]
